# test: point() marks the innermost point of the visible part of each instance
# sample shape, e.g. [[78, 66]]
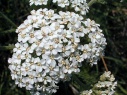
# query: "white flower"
[[38, 2], [86, 51], [63, 3], [52, 46]]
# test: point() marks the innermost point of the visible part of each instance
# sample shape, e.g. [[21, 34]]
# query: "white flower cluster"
[[87, 92], [107, 83], [78, 5], [105, 86], [38, 2], [51, 47]]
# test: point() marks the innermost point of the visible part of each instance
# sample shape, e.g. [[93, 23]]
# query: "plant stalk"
[[92, 2], [6, 47], [105, 65]]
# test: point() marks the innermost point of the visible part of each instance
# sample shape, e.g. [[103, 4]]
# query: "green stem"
[[113, 59], [9, 20], [6, 47], [74, 90], [92, 2], [8, 31], [122, 89], [97, 68]]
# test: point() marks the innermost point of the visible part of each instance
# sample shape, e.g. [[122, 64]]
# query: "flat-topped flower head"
[[49, 49]]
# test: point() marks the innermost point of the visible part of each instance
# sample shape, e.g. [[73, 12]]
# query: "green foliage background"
[[111, 15]]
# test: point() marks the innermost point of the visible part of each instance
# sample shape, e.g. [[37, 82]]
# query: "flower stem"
[[105, 65], [92, 2], [9, 20], [7, 31], [6, 47]]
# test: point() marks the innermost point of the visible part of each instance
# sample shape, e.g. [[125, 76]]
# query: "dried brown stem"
[[105, 65]]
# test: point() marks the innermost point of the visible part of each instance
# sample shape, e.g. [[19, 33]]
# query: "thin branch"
[[105, 65]]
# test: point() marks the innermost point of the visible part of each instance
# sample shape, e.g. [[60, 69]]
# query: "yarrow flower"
[[78, 5], [51, 47], [105, 86]]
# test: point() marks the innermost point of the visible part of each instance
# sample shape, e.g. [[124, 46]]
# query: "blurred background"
[[112, 17]]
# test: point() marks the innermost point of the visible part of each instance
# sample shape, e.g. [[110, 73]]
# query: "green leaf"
[[8, 31], [113, 59], [9, 20], [122, 89], [10, 47]]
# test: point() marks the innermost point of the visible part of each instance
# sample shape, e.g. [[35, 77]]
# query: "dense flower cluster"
[[51, 47], [87, 92], [78, 5], [105, 86]]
